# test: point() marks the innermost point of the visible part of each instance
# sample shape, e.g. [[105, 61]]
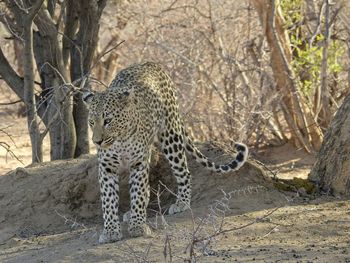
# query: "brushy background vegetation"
[[221, 56]]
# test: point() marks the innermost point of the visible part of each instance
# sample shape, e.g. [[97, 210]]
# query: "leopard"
[[139, 109]]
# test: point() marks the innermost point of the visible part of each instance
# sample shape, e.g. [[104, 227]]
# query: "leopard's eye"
[[91, 122], [107, 121]]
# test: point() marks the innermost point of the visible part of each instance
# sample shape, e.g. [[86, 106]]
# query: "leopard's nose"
[[98, 142]]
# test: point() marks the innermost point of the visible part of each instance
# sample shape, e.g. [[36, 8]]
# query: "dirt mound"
[[41, 199], [52, 213]]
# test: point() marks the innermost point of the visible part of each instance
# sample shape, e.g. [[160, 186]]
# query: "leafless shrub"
[[216, 57], [72, 222], [7, 147], [199, 239]]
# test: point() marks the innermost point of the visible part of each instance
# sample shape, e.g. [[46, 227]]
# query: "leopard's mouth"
[[108, 142]]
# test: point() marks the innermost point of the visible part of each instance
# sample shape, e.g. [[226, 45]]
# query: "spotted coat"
[[139, 107]]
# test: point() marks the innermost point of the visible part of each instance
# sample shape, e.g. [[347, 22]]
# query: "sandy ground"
[[258, 223], [16, 137], [305, 233], [253, 223]]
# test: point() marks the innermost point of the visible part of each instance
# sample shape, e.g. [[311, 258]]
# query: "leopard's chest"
[[125, 154]]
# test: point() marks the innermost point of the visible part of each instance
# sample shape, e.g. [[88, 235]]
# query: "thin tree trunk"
[[29, 97], [57, 97], [322, 112], [82, 54], [299, 119]]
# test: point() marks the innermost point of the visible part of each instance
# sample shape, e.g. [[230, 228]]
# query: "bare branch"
[[7, 147], [105, 53], [10, 76], [10, 103]]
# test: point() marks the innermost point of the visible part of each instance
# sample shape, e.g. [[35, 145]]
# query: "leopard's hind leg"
[[172, 144]]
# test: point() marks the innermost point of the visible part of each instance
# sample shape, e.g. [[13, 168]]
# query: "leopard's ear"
[[87, 93], [130, 95], [126, 93], [87, 97]]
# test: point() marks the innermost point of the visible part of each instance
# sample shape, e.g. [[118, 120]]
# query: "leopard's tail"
[[234, 165]]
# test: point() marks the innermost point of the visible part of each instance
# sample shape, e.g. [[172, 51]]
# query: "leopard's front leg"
[[139, 198], [109, 187]]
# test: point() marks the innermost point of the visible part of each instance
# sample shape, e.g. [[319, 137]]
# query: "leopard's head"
[[110, 115]]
